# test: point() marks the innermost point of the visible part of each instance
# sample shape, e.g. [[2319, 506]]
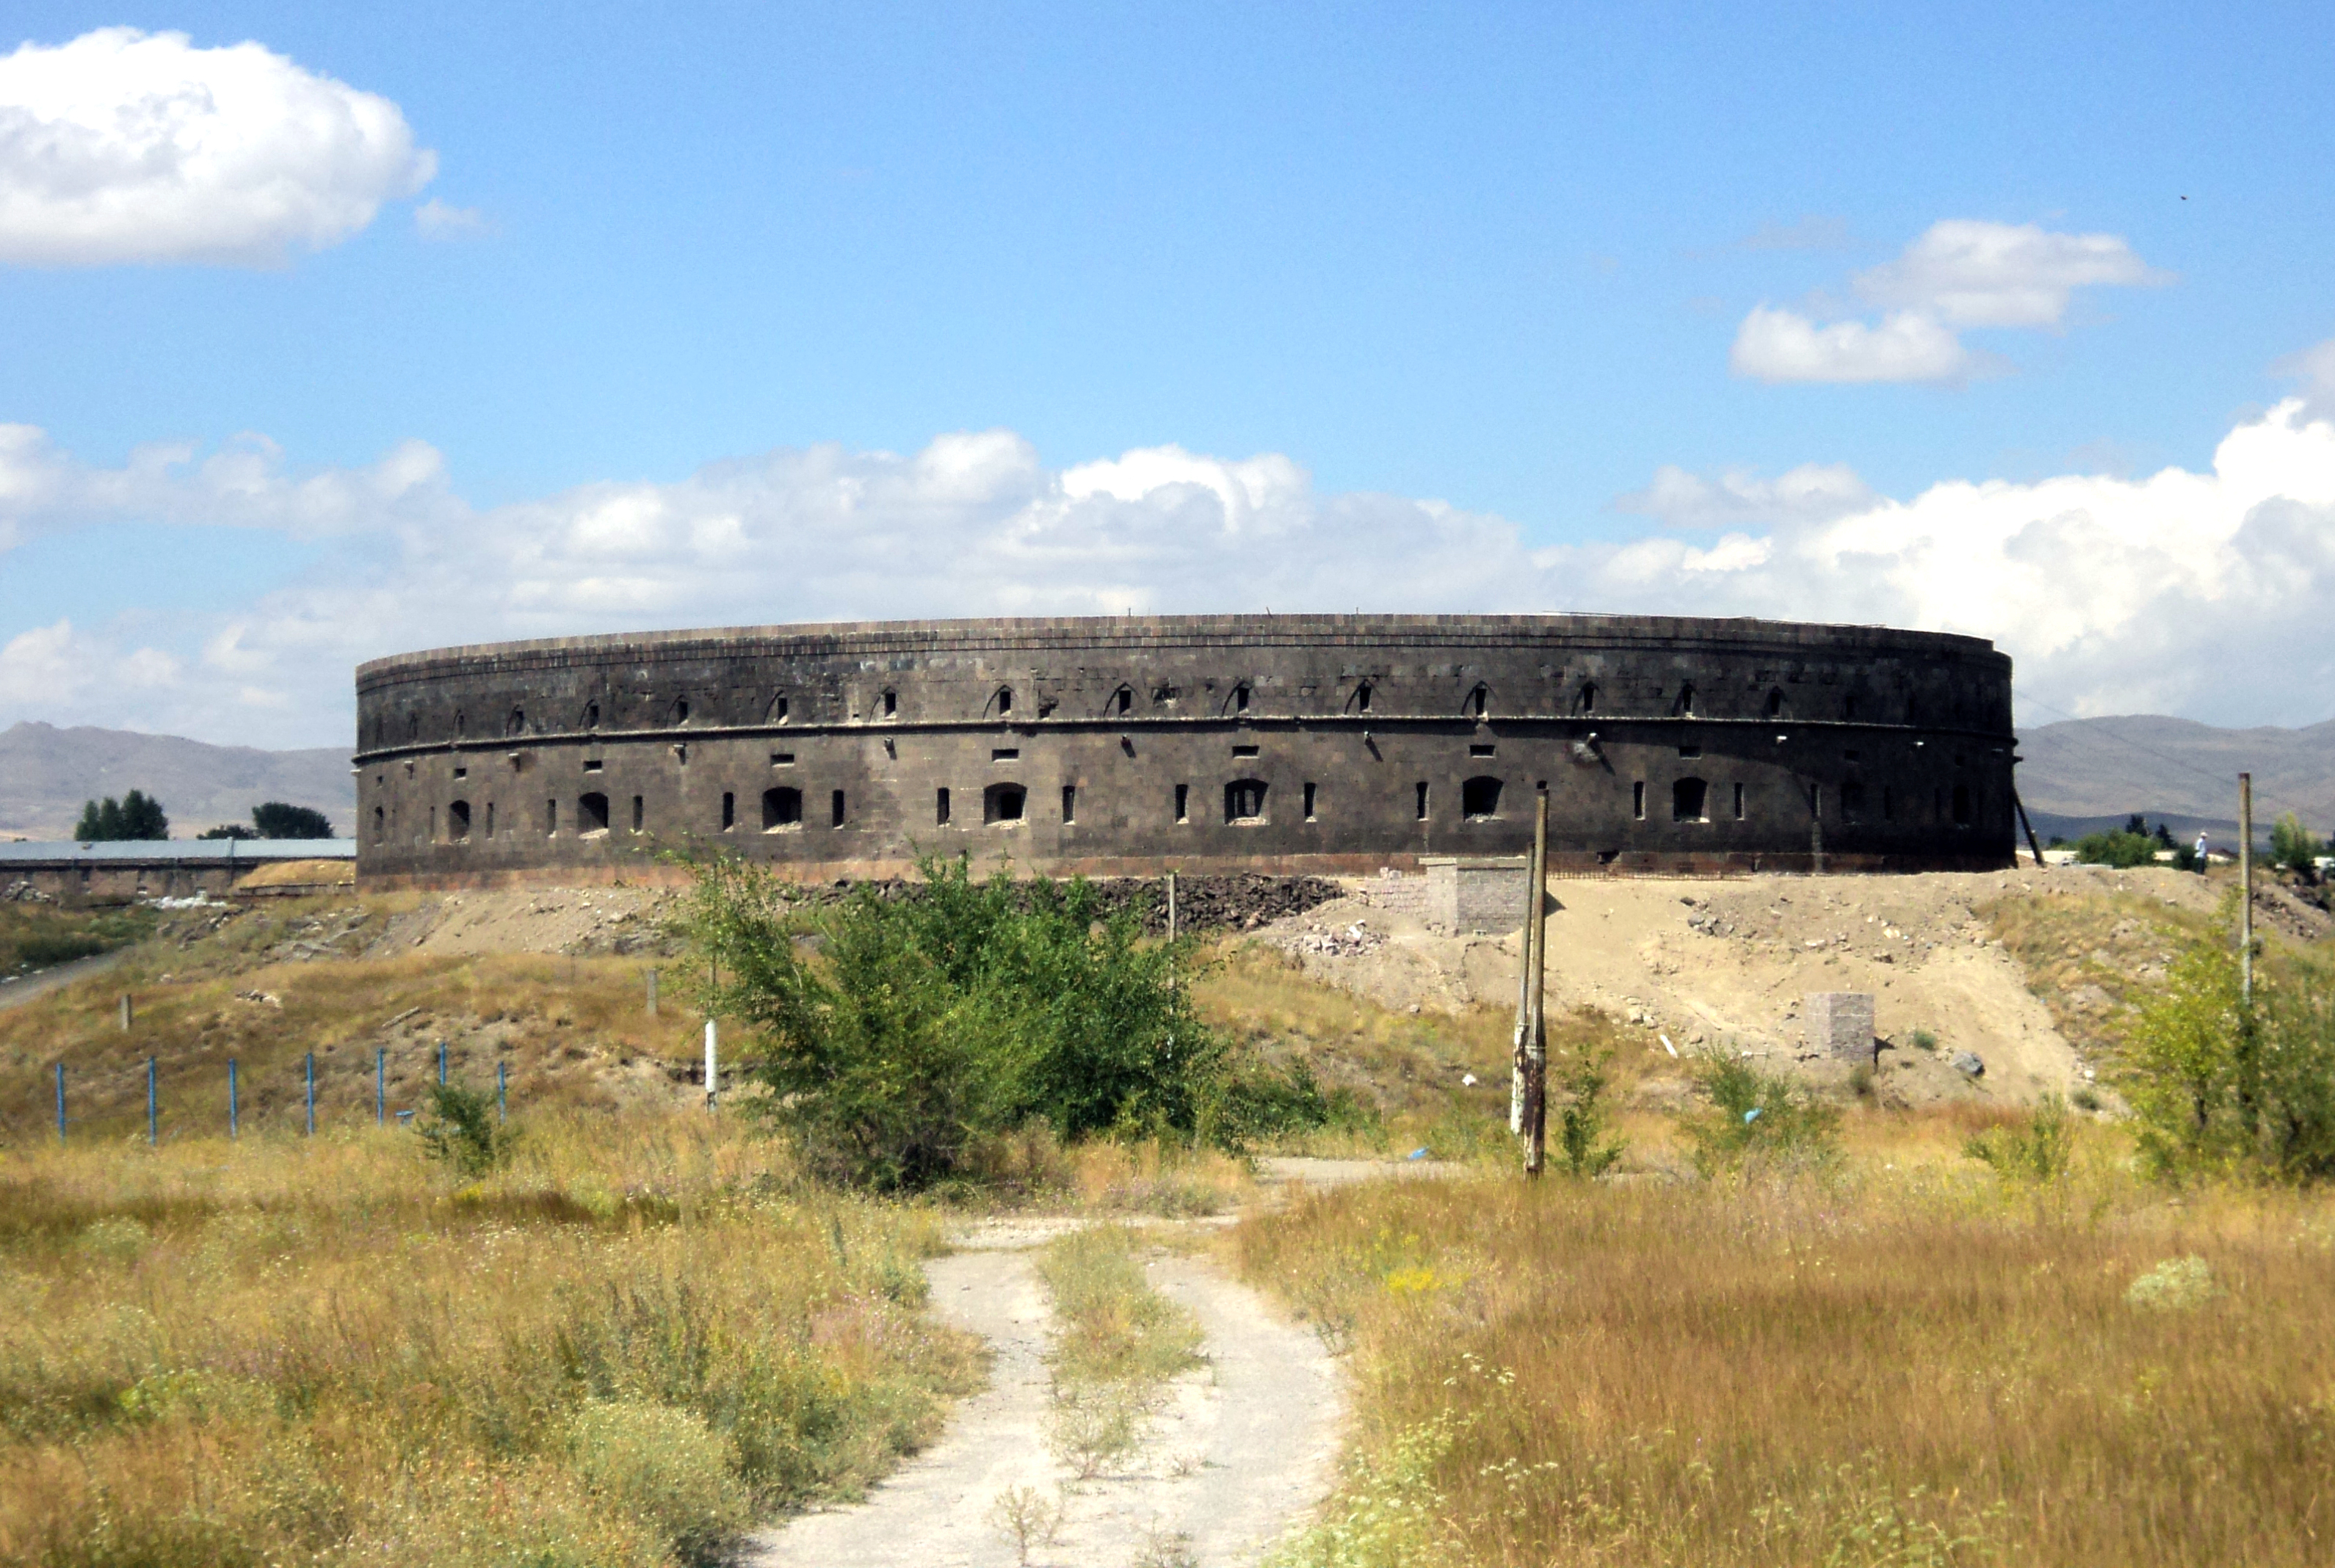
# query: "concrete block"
[[1840, 1024]]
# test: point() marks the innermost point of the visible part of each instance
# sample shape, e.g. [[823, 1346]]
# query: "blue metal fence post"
[[502, 1091], [61, 1102], [312, 1094], [234, 1122], [441, 1061], [380, 1086], [150, 1115]]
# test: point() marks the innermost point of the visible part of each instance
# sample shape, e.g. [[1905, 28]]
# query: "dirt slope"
[[1725, 965]]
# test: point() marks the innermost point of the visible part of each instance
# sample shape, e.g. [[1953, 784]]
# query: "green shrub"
[[2035, 1150], [463, 1130], [2220, 1087], [1756, 1116], [961, 1010], [662, 1466], [2123, 849], [1581, 1120], [2293, 846], [2175, 1285]]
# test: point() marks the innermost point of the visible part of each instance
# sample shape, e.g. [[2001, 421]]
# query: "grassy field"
[[36, 935], [639, 1336], [1902, 1363], [268, 987]]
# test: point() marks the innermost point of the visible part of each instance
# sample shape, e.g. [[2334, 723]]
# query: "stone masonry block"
[[1840, 1024]]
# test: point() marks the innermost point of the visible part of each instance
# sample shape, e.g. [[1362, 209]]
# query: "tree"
[[959, 1010], [2293, 846], [278, 819], [228, 830], [136, 815]]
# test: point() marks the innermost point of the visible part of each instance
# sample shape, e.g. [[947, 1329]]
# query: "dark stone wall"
[[1847, 746]]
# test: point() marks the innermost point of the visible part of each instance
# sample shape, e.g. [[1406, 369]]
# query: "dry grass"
[[1916, 1366], [571, 1033], [615, 1351], [1404, 1073], [2092, 956], [1117, 1341], [36, 935]]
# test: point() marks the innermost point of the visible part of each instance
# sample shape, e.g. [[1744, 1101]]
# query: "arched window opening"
[[1961, 806], [458, 821], [1362, 698], [1686, 701], [591, 715], [891, 705], [779, 708], [380, 824], [1002, 703], [1479, 702], [1245, 800], [592, 814], [1239, 703], [1689, 800], [458, 724], [1479, 798], [1588, 704], [1001, 803], [1123, 700], [782, 808], [680, 710], [517, 721], [1776, 702]]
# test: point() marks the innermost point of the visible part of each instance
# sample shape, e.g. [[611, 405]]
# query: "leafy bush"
[[2219, 1088], [463, 1130], [662, 1466], [2033, 1150], [2175, 1285], [2292, 846], [1581, 1120], [2122, 849], [1756, 1115], [961, 1010]]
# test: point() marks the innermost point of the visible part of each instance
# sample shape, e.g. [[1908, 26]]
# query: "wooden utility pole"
[[1524, 1007], [2246, 888], [1536, 1038]]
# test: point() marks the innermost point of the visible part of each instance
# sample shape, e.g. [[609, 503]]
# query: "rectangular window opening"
[[1005, 754], [550, 818], [1638, 799], [1183, 802], [1422, 807], [1493, 750], [1739, 803], [1070, 803], [782, 758], [591, 764], [462, 773], [1690, 752], [1308, 802], [640, 815], [1243, 750], [835, 809], [941, 808], [729, 810], [490, 819]]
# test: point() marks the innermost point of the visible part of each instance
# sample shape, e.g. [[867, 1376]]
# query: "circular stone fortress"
[[1336, 744]]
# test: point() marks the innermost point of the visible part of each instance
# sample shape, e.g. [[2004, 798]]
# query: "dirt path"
[[1242, 1447], [42, 982]]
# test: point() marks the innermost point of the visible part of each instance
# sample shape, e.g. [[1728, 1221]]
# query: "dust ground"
[[1725, 965], [1244, 1448]]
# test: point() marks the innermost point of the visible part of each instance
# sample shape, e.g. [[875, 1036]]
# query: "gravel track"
[[1243, 1446]]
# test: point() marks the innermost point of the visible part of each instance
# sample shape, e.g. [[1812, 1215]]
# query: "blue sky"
[[1508, 260]]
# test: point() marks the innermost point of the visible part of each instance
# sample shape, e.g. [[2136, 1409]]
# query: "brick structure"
[[1840, 1024], [1304, 743]]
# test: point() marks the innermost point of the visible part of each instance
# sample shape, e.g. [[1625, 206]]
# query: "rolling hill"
[[46, 773]]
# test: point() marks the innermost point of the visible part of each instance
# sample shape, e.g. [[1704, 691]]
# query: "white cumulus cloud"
[[124, 146], [1962, 272], [2208, 592]]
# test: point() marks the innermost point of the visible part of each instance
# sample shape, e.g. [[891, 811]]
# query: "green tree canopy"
[[279, 819], [136, 815]]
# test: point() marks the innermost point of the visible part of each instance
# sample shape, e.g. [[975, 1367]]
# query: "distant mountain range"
[[2076, 777], [45, 774], [2084, 774]]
